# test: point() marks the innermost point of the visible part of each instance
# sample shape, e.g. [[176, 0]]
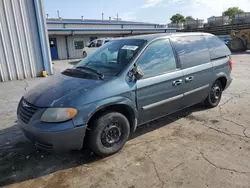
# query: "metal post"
[[39, 10]]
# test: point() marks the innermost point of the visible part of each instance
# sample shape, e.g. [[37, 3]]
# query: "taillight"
[[231, 63]]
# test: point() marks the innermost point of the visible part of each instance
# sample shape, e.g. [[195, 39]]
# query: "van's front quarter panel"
[[85, 112]]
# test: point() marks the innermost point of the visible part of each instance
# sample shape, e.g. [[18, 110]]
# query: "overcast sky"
[[155, 11]]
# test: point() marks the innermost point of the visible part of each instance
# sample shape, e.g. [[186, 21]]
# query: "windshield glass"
[[110, 59]]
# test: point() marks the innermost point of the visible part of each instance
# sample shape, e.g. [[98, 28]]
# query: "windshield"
[[110, 59]]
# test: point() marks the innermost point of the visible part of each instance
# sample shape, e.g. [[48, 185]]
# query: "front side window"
[[111, 58], [79, 44], [157, 59], [99, 43]]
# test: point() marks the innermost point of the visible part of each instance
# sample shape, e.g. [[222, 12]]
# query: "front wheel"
[[108, 133], [215, 94], [84, 54]]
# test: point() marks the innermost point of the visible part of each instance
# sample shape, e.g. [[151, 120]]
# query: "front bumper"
[[56, 141]]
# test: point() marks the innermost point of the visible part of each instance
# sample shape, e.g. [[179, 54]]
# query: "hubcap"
[[215, 93], [111, 135]]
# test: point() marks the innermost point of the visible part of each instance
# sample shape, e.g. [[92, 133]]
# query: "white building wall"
[[21, 55]]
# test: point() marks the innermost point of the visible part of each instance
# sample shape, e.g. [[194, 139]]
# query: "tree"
[[189, 18], [231, 12], [177, 18]]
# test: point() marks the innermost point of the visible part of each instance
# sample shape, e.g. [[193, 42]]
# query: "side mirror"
[[88, 44], [138, 73]]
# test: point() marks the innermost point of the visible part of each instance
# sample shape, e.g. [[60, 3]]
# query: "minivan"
[[102, 102]]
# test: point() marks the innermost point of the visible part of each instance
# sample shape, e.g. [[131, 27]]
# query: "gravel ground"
[[197, 147]]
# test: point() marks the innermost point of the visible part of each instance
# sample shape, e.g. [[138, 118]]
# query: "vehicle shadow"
[[20, 160], [241, 53]]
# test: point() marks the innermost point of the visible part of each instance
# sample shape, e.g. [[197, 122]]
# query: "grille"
[[26, 111]]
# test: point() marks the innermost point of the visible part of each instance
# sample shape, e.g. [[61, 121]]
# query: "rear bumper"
[[60, 141], [229, 81]]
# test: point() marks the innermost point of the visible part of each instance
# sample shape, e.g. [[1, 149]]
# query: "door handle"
[[189, 79], [177, 82]]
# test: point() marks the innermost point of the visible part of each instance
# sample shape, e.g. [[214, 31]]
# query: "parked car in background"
[[95, 44], [102, 101]]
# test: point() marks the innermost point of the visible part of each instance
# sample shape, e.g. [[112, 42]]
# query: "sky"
[[154, 11]]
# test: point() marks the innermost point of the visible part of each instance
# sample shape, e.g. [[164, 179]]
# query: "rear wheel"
[[215, 94], [236, 45], [108, 133]]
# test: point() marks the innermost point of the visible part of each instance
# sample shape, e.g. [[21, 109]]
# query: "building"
[[177, 26], [67, 37], [190, 24], [24, 47], [242, 18], [28, 40], [218, 21]]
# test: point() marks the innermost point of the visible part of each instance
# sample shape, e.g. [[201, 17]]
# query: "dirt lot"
[[192, 148]]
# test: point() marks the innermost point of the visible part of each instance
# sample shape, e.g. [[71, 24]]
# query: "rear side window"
[[216, 47], [157, 59], [192, 50]]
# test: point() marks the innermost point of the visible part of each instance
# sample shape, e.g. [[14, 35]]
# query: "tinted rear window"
[[192, 50], [216, 47]]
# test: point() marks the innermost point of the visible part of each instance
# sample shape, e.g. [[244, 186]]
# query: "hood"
[[60, 90]]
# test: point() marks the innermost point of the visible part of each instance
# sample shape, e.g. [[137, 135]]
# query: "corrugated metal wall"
[[21, 55], [61, 46], [73, 53]]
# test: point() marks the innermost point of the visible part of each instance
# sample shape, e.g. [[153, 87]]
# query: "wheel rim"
[[111, 135], [215, 93]]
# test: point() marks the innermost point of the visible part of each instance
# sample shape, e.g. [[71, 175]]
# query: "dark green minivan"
[[125, 83]]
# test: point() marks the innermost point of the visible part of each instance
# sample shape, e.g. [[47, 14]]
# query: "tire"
[[215, 94], [84, 54], [236, 45], [108, 133]]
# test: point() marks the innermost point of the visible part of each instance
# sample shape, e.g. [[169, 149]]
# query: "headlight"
[[55, 115]]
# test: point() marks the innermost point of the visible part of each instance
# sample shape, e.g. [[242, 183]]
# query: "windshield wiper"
[[101, 76]]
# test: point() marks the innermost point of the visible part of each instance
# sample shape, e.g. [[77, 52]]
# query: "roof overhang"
[[79, 31]]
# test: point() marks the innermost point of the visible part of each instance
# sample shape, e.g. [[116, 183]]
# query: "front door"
[[160, 91], [53, 48]]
